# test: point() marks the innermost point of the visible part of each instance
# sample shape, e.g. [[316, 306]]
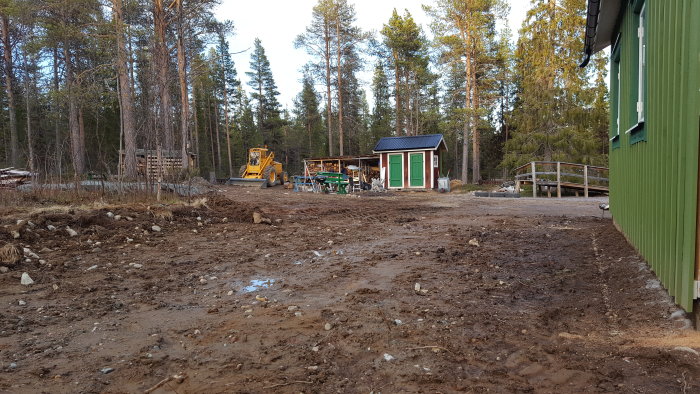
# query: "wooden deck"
[[547, 175]]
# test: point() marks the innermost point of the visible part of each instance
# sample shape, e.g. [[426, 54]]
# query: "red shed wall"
[[427, 165]]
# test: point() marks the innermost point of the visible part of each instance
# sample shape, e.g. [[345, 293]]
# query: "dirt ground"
[[516, 295]]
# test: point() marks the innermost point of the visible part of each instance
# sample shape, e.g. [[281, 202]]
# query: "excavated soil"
[[515, 296]]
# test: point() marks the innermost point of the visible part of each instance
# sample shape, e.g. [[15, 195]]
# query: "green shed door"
[[417, 163], [395, 171]]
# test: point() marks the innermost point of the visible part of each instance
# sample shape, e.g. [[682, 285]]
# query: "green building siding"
[[653, 182]]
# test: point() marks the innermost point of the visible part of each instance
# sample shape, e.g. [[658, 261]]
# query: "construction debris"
[[11, 177]]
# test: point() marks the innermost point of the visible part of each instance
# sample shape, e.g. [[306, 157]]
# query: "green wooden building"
[[655, 123]]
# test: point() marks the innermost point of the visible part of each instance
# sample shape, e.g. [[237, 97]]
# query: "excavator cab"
[[254, 159]]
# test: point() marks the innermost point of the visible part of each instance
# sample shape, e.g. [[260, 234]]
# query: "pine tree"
[[228, 83], [5, 11], [409, 59], [464, 29], [317, 40]]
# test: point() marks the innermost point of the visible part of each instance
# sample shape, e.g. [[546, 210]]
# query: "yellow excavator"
[[261, 170]]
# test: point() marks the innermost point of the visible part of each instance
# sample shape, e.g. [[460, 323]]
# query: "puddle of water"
[[257, 284]]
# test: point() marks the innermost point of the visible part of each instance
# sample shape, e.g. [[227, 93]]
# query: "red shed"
[[411, 162]]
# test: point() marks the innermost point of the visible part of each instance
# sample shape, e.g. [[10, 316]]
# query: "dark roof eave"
[[591, 27], [601, 25]]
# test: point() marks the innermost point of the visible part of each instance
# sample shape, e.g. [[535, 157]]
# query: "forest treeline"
[[84, 79]]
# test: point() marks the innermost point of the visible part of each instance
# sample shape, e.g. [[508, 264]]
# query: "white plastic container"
[[444, 185]]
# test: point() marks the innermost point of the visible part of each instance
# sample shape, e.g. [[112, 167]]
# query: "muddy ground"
[[515, 295]]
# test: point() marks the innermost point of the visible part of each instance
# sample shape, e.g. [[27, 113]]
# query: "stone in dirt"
[[107, 370], [258, 218], [71, 232], [28, 252], [15, 234], [328, 326], [389, 357], [567, 335], [26, 279], [156, 228], [686, 349], [51, 228], [473, 242]]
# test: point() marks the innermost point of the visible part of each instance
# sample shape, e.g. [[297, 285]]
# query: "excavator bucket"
[[247, 182]]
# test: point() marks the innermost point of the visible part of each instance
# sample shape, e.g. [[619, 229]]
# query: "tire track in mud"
[[611, 316]]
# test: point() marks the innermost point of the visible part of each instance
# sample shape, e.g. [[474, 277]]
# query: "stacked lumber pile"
[[11, 177], [319, 166]]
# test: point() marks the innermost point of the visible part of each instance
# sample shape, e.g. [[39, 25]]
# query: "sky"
[[278, 22]]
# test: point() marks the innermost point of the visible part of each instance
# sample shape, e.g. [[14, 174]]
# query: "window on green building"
[[615, 95], [642, 65], [637, 108]]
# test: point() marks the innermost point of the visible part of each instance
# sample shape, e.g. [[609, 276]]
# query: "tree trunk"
[[397, 92], [218, 136], [30, 139], [195, 108], [9, 80], [125, 93], [77, 154], [81, 127], [341, 133], [476, 140], [327, 55], [161, 63], [228, 132], [57, 131], [182, 76], [467, 106], [211, 136]]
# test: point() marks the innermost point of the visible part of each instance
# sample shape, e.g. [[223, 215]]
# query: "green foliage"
[[382, 114], [560, 113], [308, 124], [264, 94]]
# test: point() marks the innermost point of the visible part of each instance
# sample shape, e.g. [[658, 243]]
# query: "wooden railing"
[[561, 175]]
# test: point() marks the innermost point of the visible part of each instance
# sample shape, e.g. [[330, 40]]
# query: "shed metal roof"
[[427, 141]]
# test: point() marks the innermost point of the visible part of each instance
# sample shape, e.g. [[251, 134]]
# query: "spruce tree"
[[382, 114], [559, 112], [308, 119], [265, 96]]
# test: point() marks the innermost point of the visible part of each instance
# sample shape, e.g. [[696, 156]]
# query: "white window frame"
[[619, 94], [641, 34]]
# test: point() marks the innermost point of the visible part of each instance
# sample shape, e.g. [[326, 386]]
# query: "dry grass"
[[40, 200], [9, 254]]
